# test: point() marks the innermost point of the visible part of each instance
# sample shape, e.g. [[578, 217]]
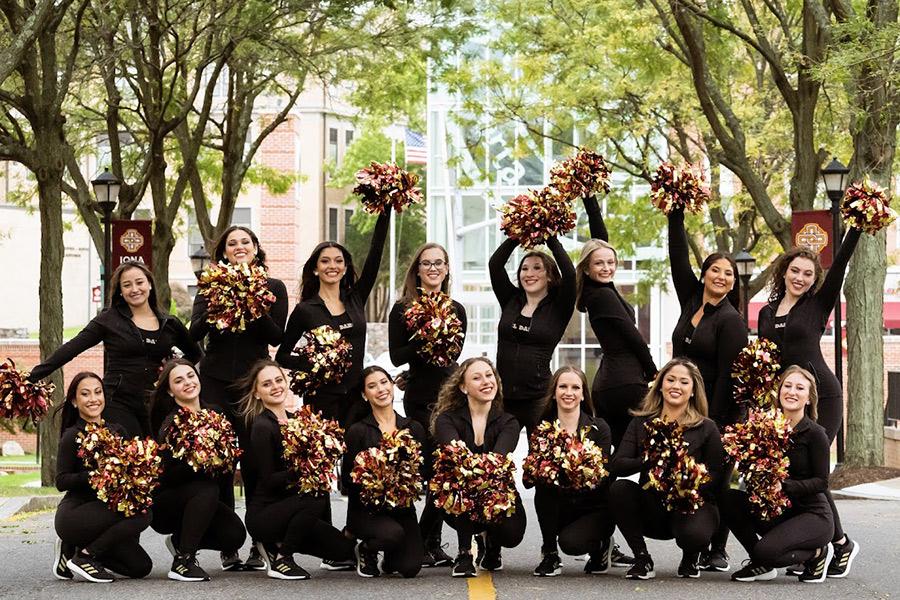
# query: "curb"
[[10, 507], [878, 493]]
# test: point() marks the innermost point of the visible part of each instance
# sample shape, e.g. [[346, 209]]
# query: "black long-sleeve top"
[[809, 468], [501, 433], [175, 471], [799, 339], [131, 358], [72, 477], [268, 452], [720, 334], [229, 355], [424, 379], [525, 347], [704, 445], [313, 312]]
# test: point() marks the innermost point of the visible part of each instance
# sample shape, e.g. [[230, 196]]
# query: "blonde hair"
[[251, 405], [451, 397], [697, 408], [813, 409], [581, 269]]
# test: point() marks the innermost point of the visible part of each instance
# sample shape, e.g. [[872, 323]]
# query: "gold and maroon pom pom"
[[383, 184], [448, 484], [584, 175], [327, 356], [388, 474], [561, 459], [480, 485], [312, 445], [755, 373], [205, 440], [20, 398], [867, 207], [436, 328], [672, 187], [534, 217], [672, 472], [236, 295]]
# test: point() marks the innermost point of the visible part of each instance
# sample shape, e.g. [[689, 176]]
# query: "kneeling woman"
[[578, 519], [282, 519], [396, 531], [802, 533], [93, 537], [186, 506], [470, 409], [677, 395]]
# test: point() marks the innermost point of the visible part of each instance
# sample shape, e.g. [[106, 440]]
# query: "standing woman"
[[578, 520], [93, 537], [677, 395], [429, 271], [470, 408], [533, 317], [281, 519], [394, 532], [137, 339], [802, 533], [331, 294], [710, 333], [795, 317], [186, 505], [621, 381]]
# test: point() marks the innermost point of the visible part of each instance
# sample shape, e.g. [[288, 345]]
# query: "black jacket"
[[523, 357], [312, 313], [719, 336], [799, 340], [808, 472], [72, 477], [268, 452], [501, 434], [175, 471], [229, 355], [130, 367], [424, 379], [704, 445]]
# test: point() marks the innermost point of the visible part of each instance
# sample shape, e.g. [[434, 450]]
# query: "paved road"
[[26, 551]]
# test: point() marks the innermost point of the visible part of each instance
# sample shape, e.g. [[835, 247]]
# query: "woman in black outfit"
[[801, 534], [331, 294], [137, 339], [393, 532], [92, 536], [282, 520], [795, 317], [677, 395], [578, 520], [710, 333], [229, 355], [626, 366], [533, 317], [470, 409], [428, 271], [186, 505]]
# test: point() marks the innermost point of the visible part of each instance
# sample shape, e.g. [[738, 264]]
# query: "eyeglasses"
[[427, 264]]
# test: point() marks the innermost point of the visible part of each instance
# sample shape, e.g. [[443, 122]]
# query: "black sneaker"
[[366, 561], [492, 561], [435, 556], [598, 562], [688, 567], [617, 558], [713, 560], [87, 567], [550, 565], [642, 568], [463, 566], [284, 567], [479, 548], [337, 565], [753, 572], [816, 569], [60, 569], [263, 554], [186, 568], [843, 558], [794, 570], [231, 561], [255, 560]]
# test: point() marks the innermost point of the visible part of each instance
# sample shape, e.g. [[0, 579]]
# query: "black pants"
[[298, 523], [346, 409], [503, 531], [107, 534], [133, 417], [831, 414], [640, 513], [432, 519], [525, 410], [790, 539], [580, 528], [396, 533], [197, 519], [613, 405]]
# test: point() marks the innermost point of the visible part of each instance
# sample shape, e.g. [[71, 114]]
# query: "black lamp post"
[[199, 260], [745, 265], [836, 178], [106, 190]]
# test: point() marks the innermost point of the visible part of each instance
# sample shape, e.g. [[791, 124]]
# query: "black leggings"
[[108, 535], [613, 405], [299, 523], [525, 410], [503, 531], [639, 513], [579, 529], [831, 413], [431, 521], [197, 519], [396, 533], [132, 417], [790, 539]]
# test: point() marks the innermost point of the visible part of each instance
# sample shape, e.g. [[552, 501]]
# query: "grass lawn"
[[13, 485], [28, 459]]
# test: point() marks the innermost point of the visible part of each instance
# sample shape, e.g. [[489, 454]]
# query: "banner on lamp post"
[[813, 229], [132, 241]]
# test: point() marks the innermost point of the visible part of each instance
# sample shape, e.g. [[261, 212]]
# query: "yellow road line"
[[482, 587]]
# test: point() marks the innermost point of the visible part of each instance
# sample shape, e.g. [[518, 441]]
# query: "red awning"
[[891, 314]]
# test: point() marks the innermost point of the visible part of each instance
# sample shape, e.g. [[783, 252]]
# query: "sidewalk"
[[877, 490]]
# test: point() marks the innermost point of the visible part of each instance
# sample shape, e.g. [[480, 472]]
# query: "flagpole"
[[392, 251]]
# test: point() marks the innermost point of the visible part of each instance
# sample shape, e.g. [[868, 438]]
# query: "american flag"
[[415, 150]]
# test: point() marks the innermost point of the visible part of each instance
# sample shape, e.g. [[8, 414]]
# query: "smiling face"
[[89, 399], [794, 393], [378, 390], [718, 279], [479, 382], [533, 275], [330, 266], [134, 287], [569, 392], [677, 387], [602, 265], [271, 387], [799, 277], [184, 385], [433, 269], [239, 247]]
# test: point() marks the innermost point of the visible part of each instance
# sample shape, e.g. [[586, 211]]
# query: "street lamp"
[[199, 260], [745, 265], [106, 190], [835, 175]]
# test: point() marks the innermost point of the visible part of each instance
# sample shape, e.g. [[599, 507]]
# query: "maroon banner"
[[132, 241], [812, 229]]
